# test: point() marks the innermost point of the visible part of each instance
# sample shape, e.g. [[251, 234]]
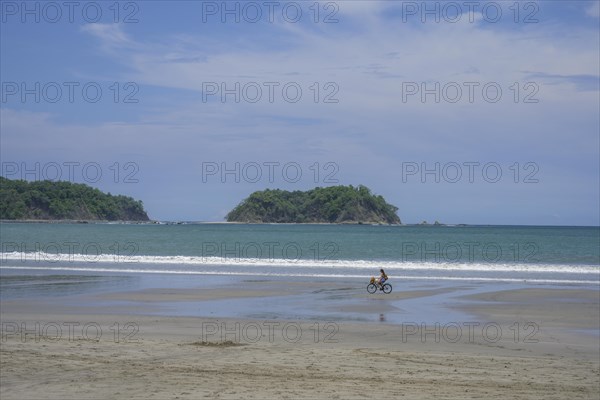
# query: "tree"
[[64, 200], [335, 204]]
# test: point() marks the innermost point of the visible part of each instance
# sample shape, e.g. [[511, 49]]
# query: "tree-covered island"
[[334, 204], [48, 200]]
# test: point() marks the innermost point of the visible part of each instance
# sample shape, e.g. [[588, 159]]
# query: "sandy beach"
[[520, 343]]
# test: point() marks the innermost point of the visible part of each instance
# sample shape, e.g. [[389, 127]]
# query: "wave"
[[300, 264], [300, 275]]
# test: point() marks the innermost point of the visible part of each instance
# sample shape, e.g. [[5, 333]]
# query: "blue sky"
[[452, 114]]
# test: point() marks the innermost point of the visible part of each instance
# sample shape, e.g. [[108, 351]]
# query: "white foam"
[[301, 264], [300, 275]]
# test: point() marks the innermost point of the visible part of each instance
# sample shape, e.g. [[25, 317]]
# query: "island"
[[333, 204], [60, 200]]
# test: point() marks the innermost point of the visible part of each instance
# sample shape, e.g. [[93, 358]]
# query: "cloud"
[[360, 58], [111, 36], [360, 7], [581, 82], [593, 10], [370, 68]]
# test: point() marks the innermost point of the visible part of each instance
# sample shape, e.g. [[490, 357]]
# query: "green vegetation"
[[46, 200], [335, 204]]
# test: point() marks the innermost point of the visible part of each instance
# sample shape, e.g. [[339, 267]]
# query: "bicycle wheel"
[[387, 288], [371, 288]]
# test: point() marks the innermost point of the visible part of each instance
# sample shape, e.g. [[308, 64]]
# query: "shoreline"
[[159, 222]]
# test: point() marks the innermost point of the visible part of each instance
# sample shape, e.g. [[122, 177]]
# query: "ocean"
[[531, 254]]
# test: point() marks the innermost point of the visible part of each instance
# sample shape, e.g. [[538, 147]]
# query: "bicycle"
[[386, 288]]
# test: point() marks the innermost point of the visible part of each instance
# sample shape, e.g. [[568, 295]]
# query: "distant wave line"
[[300, 263], [298, 275]]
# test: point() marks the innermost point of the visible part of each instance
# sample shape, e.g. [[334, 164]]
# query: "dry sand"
[[189, 358]]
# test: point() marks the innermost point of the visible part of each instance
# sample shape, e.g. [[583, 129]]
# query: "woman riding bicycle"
[[382, 278], [379, 284]]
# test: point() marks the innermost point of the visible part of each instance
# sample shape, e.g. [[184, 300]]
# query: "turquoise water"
[[489, 253]]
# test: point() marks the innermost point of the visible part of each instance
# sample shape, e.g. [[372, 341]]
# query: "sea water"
[[531, 254]]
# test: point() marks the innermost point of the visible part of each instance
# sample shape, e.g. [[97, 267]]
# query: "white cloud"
[[111, 36], [593, 10], [439, 52], [370, 69]]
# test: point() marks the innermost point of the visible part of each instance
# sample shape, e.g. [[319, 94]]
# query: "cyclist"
[[382, 278]]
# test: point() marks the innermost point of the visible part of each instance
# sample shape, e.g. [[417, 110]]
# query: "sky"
[[476, 112]]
